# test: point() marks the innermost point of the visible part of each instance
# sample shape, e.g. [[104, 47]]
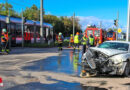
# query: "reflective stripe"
[[3, 50], [91, 41], [4, 36], [71, 39], [84, 41], [76, 39], [59, 39]]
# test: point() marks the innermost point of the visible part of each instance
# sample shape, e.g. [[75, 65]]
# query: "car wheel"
[[127, 69]]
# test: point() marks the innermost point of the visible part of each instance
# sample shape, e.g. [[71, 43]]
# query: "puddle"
[[66, 62]]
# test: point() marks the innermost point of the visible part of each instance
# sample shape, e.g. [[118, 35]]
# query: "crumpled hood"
[[108, 52]]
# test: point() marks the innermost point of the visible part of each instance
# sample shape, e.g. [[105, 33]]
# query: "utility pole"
[[34, 31], [22, 28], [10, 37], [117, 25], [73, 24], [41, 22], [6, 7], [100, 25], [128, 22]]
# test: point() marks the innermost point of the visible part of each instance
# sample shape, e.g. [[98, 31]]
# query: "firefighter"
[[4, 41], [84, 43], [76, 41], [71, 40], [91, 40], [60, 41]]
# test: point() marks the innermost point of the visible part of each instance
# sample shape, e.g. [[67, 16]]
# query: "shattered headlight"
[[84, 56], [116, 59]]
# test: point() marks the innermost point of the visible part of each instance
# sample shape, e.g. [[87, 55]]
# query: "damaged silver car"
[[111, 57]]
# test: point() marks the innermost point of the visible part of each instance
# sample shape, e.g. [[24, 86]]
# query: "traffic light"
[[116, 22]]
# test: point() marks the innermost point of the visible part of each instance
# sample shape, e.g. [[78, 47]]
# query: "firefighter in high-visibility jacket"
[[60, 41], [71, 40], [84, 43], [76, 41], [4, 41], [91, 40]]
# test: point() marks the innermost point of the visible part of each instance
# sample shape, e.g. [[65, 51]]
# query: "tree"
[[32, 13], [60, 24], [6, 8]]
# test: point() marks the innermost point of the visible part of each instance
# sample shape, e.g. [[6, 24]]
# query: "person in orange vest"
[[4, 41], [60, 41], [71, 40]]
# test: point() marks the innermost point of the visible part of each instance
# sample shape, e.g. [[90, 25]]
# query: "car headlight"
[[84, 56], [116, 59]]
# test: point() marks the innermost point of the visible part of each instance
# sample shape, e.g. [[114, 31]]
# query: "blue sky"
[[88, 11]]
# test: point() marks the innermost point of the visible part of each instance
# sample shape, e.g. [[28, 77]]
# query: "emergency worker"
[[76, 41], [60, 41], [71, 40], [4, 41], [84, 43], [91, 40]]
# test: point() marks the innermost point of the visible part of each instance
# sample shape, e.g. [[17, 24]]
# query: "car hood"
[[109, 52]]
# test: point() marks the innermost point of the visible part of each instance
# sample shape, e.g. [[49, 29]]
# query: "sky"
[[88, 11]]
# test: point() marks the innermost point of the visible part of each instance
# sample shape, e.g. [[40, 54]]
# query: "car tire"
[[127, 69]]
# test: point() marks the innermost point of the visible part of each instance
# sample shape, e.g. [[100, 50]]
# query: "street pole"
[[41, 22], [22, 28], [117, 25], [34, 31], [9, 31], [128, 22], [100, 25], [73, 24]]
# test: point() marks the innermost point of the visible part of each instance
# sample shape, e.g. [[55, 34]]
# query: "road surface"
[[48, 69]]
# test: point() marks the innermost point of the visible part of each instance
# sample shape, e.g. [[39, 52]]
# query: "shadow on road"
[[59, 85]]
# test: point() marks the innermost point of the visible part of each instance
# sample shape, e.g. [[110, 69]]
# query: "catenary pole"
[[128, 22], [41, 21], [22, 27], [117, 25], [73, 24]]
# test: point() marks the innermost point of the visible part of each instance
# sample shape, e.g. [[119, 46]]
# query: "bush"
[[45, 45], [38, 45]]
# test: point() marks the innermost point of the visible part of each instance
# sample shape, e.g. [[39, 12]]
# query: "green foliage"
[[38, 45], [110, 29], [32, 13], [63, 24], [7, 9], [45, 45]]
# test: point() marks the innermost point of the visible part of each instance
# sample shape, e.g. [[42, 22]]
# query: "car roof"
[[119, 41]]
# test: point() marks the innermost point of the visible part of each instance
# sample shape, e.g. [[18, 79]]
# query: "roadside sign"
[[119, 30]]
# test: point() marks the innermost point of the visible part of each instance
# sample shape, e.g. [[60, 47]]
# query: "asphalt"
[[48, 69]]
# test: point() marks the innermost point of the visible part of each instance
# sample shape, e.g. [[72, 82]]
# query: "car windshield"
[[115, 45], [97, 33]]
